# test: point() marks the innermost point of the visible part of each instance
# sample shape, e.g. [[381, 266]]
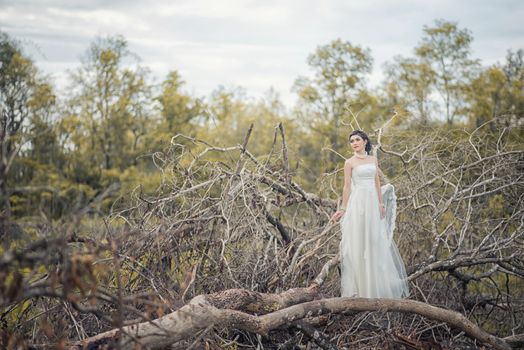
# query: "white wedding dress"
[[371, 265]]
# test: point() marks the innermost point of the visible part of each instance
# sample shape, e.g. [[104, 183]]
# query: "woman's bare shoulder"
[[350, 161]]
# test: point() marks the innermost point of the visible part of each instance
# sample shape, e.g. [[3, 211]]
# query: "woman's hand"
[[382, 211], [338, 214]]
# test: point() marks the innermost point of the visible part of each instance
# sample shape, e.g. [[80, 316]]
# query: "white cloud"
[[86, 19], [247, 42], [235, 10]]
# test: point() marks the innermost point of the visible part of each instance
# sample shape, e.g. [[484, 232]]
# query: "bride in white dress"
[[371, 265]]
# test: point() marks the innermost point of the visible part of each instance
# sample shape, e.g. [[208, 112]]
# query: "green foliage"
[[114, 126], [18, 77], [180, 112], [496, 207], [29, 148], [446, 49], [338, 85], [110, 103], [233, 117], [410, 84], [496, 95]]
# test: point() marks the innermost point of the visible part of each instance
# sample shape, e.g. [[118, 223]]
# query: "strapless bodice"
[[363, 175]]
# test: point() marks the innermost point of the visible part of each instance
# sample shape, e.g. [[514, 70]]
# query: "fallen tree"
[[234, 309]]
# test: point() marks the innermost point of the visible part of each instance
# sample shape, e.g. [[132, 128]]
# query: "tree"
[[446, 49], [496, 95], [180, 112], [513, 99], [339, 71], [412, 81], [110, 99], [232, 114], [25, 98]]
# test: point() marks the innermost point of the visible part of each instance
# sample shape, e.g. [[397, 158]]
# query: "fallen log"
[[232, 309]]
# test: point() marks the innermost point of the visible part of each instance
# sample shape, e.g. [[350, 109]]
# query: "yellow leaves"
[[70, 123], [495, 74], [132, 177], [496, 207], [446, 218], [17, 203], [107, 57], [20, 68], [43, 96], [41, 269], [110, 175], [401, 117], [14, 315], [309, 94]]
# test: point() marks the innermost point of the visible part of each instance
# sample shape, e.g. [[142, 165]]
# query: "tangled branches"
[[230, 237]]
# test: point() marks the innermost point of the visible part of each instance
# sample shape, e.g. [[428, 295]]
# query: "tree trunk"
[[231, 309]]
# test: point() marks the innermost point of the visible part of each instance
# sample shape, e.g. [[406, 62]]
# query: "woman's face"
[[358, 144]]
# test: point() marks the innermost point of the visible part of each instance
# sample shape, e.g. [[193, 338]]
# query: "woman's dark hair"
[[364, 137]]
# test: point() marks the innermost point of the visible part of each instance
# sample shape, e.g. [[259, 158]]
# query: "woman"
[[371, 266]]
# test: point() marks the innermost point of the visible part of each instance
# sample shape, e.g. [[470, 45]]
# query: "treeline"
[[59, 152]]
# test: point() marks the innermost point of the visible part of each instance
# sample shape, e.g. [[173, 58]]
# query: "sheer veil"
[[390, 202], [389, 199]]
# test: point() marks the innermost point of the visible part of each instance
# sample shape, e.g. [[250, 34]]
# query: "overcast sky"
[[253, 44]]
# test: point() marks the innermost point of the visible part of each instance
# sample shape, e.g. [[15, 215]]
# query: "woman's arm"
[[345, 192], [347, 185]]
